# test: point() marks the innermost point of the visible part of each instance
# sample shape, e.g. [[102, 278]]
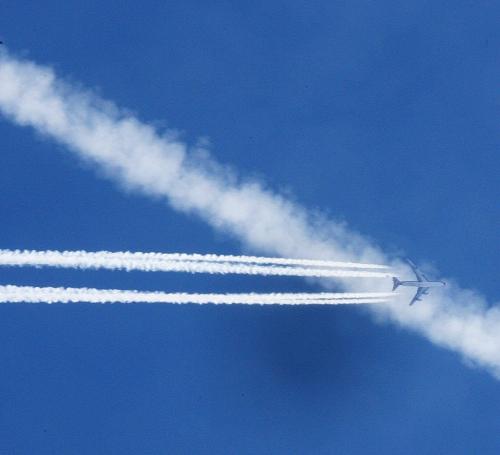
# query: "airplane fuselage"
[[422, 284]]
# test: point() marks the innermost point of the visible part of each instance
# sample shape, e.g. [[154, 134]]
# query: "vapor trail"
[[157, 263], [29, 294], [249, 259], [137, 157]]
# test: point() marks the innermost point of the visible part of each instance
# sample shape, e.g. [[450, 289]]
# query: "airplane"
[[423, 283]]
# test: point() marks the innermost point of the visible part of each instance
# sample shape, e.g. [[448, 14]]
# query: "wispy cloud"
[[136, 156]]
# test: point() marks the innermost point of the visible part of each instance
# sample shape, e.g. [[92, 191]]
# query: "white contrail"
[[248, 259], [30, 294], [156, 263], [139, 158]]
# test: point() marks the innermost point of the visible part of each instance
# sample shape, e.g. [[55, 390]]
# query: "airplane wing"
[[420, 293], [420, 276]]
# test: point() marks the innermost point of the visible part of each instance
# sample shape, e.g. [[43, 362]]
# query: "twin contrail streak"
[[247, 260], [157, 262], [179, 262], [29, 294]]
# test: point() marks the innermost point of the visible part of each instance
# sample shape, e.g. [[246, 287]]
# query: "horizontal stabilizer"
[[395, 283]]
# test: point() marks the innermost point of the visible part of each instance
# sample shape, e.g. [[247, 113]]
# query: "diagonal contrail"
[[158, 263], [136, 156], [30, 294]]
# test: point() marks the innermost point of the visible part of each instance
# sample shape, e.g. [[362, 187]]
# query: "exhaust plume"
[[29, 294], [157, 263]]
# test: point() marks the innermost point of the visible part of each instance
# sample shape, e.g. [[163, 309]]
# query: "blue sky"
[[382, 115]]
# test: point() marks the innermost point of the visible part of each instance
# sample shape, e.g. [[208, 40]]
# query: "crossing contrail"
[[30, 294], [161, 263], [138, 157]]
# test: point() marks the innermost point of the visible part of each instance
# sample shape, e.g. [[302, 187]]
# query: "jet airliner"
[[423, 283]]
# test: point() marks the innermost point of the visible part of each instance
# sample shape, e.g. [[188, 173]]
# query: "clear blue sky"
[[383, 114]]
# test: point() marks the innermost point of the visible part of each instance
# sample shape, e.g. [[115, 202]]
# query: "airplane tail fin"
[[395, 283]]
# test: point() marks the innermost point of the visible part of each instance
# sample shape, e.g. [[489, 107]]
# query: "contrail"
[[157, 263], [29, 294], [139, 158], [248, 259]]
